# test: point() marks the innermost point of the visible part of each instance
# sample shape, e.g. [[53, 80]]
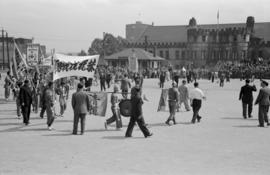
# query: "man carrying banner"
[[173, 100], [26, 101], [137, 116], [81, 106]]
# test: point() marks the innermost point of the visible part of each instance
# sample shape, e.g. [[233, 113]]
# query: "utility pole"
[[145, 43], [7, 49], [3, 48]]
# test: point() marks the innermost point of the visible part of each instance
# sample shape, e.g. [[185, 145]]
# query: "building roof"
[[178, 33], [138, 53]]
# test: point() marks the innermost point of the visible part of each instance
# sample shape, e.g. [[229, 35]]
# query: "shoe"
[[105, 125], [193, 122], [244, 117], [151, 134], [250, 116], [199, 119], [127, 136], [74, 133], [260, 125], [50, 128], [168, 122], [188, 110]]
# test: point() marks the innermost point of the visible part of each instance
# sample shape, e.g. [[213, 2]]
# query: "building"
[[7, 49], [146, 60], [202, 45]]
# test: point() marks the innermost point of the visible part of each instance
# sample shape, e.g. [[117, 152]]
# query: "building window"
[[161, 54], [167, 55], [177, 56], [203, 38], [183, 54]]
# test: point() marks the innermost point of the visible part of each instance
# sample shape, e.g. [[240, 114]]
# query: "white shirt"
[[196, 93]]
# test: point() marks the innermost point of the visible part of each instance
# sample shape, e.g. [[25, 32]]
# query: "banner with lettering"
[[66, 66]]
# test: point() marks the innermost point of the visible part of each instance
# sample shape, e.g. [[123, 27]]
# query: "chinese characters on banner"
[[32, 54], [66, 66]]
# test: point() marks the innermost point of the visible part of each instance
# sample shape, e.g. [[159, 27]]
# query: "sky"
[[70, 26]]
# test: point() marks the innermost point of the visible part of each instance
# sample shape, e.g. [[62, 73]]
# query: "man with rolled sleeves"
[[196, 97], [247, 98], [81, 106], [264, 102]]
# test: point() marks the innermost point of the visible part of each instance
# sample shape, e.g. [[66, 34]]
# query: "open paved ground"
[[223, 143]]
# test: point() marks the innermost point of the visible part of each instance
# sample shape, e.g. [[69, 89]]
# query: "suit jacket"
[[263, 97], [80, 102], [25, 96], [136, 109], [246, 93]]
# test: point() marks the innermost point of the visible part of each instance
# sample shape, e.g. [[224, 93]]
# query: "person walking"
[[162, 79], [183, 95], [62, 98], [173, 96], [246, 95], [26, 101], [49, 105], [196, 97], [17, 97], [102, 79], [116, 117], [137, 116], [264, 102], [125, 84], [80, 105], [7, 85]]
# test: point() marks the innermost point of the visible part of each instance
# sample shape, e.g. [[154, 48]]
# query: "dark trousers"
[[63, 108], [172, 109], [43, 109], [18, 105], [50, 115], [108, 83], [78, 117], [102, 86], [161, 84], [115, 118], [26, 113], [141, 124], [196, 106], [245, 106], [263, 117]]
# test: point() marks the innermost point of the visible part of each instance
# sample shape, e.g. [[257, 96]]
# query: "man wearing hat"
[[264, 102], [247, 98], [173, 100], [26, 101]]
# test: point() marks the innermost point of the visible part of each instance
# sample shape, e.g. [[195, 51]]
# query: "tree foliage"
[[82, 53], [108, 45]]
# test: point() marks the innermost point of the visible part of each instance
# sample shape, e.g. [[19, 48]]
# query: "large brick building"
[[202, 45]]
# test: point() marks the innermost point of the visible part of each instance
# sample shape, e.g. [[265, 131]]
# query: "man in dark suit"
[[247, 98], [26, 101], [264, 102], [80, 105], [137, 116]]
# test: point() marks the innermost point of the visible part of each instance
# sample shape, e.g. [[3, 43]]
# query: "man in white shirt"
[[196, 96]]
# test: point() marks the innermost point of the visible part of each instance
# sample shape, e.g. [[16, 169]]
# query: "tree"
[[82, 53], [108, 45]]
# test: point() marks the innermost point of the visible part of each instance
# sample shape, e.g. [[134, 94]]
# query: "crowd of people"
[[35, 91]]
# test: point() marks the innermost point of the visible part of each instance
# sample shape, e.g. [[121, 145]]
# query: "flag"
[[163, 100], [20, 55], [98, 103]]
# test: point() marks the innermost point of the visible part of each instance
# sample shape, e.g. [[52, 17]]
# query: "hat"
[[265, 83], [80, 86], [174, 83]]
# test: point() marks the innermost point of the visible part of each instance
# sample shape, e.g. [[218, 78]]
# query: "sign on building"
[[32, 54], [133, 63]]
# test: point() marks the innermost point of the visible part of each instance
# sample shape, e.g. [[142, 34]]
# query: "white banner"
[[133, 63], [66, 66], [32, 54]]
